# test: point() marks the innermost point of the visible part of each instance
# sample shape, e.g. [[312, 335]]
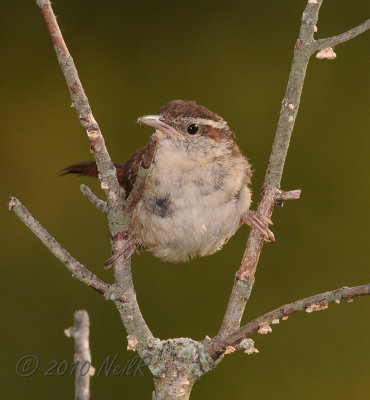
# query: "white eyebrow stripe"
[[210, 122]]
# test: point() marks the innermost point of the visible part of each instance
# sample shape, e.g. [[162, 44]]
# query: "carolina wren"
[[197, 194]]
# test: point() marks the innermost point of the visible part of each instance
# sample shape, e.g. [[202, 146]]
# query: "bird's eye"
[[193, 129]]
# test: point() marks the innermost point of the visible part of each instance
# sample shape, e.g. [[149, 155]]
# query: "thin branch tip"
[[12, 202], [98, 203], [330, 42], [42, 3], [262, 324], [78, 270]]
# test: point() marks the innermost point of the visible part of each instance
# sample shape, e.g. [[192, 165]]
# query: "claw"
[[260, 222], [128, 250], [266, 220]]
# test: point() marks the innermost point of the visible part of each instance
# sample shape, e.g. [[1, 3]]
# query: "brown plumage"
[[197, 192], [185, 108]]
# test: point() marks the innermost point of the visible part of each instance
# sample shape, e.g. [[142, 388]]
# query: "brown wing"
[[126, 173]]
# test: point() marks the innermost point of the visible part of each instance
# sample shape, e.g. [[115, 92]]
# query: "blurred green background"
[[233, 57]]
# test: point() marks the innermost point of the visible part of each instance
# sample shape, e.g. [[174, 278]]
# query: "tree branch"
[[244, 278], [106, 169], [343, 37], [284, 196], [262, 324], [78, 270], [82, 357], [99, 204], [122, 291]]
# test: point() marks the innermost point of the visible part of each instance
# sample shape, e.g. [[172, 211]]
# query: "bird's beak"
[[156, 121]]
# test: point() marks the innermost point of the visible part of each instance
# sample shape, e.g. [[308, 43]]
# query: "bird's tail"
[[88, 168]]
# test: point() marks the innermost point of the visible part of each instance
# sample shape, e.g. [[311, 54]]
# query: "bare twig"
[[99, 204], [314, 303], [284, 196], [107, 171], [343, 37], [270, 193], [78, 270], [82, 358]]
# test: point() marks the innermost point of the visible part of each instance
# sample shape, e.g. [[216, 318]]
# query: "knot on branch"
[[247, 345], [326, 54], [114, 293], [181, 353]]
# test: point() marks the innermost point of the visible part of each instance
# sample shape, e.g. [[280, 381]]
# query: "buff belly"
[[196, 223]]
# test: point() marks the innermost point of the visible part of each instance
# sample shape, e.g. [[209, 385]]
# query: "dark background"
[[234, 57]]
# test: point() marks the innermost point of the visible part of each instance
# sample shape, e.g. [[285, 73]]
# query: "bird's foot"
[[260, 222], [127, 251]]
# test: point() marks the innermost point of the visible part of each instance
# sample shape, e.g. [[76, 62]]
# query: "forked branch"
[[270, 193]]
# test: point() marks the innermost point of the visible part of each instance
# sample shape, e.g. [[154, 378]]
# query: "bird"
[[197, 194]]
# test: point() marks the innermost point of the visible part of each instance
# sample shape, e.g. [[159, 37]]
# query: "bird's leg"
[[261, 222], [127, 251]]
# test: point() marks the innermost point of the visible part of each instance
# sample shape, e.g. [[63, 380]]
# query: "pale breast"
[[187, 212]]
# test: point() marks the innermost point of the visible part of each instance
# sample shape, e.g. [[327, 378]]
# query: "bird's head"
[[187, 121]]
